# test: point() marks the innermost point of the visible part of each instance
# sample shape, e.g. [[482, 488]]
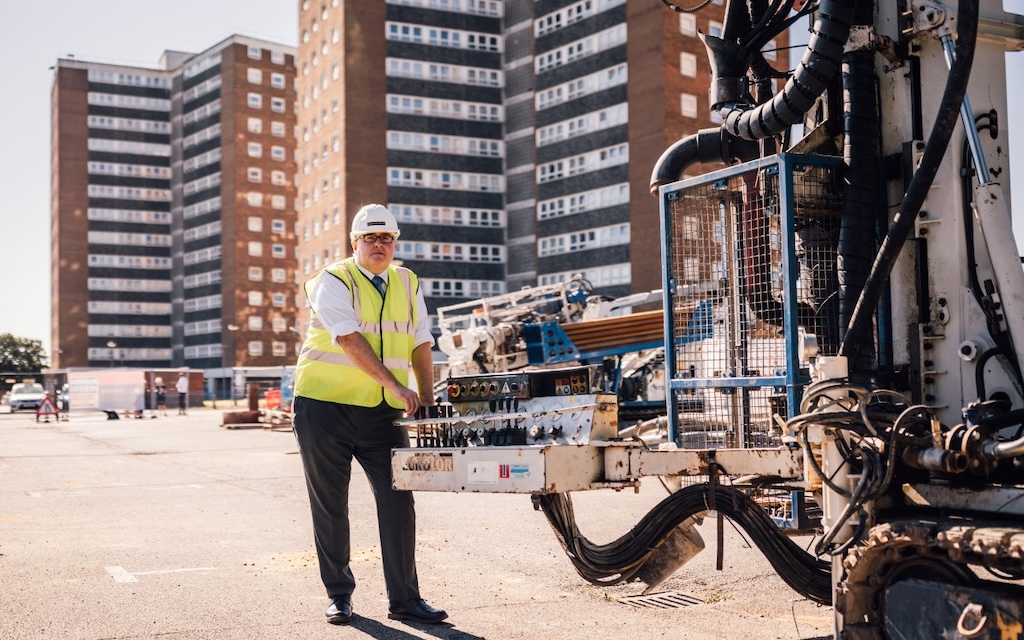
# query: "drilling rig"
[[858, 258]]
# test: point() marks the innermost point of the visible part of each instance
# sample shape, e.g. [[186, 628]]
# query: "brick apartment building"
[[173, 210], [513, 140]]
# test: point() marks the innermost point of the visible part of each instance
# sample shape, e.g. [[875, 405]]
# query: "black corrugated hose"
[[819, 65], [857, 333], [619, 561], [862, 154]]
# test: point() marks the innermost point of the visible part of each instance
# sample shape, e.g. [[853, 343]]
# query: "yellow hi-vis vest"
[[325, 372]]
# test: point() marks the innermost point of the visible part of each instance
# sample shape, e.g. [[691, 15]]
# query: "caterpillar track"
[[937, 551]]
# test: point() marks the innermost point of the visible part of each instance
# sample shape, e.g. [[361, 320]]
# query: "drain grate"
[[662, 600]]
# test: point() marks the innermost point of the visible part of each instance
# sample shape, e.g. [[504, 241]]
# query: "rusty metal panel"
[[504, 469], [630, 462], [1005, 500]]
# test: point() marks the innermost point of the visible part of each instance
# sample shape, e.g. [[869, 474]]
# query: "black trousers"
[[330, 435]]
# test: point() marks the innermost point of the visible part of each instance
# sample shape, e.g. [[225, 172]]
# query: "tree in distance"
[[21, 355]]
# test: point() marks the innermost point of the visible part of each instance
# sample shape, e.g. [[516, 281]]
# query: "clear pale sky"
[[33, 34]]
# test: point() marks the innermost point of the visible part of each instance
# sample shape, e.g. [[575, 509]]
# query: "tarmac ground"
[[177, 528]]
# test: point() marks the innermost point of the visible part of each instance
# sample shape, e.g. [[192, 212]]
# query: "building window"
[[277, 299], [278, 178], [255, 100], [255, 76], [254, 174], [687, 24], [277, 226], [277, 105], [688, 64], [277, 57], [255, 249], [277, 250], [277, 202], [255, 223], [277, 153], [255, 348], [688, 105], [277, 128], [277, 80], [255, 323], [279, 348], [715, 29], [255, 53], [277, 275], [255, 298], [254, 198], [255, 125], [255, 274], [770, 50], [255, 150]]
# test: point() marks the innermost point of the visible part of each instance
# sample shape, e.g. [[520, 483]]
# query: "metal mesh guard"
[[726, 243]]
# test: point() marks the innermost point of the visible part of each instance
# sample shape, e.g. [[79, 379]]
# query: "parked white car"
[[26, 396]]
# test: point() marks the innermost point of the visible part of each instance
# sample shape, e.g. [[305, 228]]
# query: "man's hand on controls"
[[410, 398]]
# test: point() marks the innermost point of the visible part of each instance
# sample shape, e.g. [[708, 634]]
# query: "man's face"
[[372, 253]]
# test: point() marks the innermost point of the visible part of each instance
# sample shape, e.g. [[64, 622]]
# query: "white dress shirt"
[[332, 303]]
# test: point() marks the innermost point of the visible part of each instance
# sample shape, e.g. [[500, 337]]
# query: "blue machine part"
[[547, 342], [700, 326]]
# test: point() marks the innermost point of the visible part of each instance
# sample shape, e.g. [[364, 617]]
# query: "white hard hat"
[[374, 218]]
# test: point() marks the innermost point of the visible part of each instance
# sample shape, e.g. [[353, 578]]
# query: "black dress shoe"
[[416, 611], [340, 611]]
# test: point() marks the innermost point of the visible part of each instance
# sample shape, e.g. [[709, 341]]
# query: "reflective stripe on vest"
[[325, 372]]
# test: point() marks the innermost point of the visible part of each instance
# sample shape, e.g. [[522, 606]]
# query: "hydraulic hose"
[[857, 333], [819, 65], [862, 156], [707, 145], [618, 562], [737, 18]]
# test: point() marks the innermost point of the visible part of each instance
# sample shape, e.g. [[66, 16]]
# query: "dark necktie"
[[379, 283]]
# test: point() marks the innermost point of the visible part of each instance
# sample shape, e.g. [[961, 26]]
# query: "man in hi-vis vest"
[[368, 324]]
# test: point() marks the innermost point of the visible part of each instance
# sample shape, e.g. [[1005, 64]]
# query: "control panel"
[[524, 384], [548, 406]]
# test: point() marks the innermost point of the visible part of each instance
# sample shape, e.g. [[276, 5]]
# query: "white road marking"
[[150, 573], [175, 486], [120, 574]]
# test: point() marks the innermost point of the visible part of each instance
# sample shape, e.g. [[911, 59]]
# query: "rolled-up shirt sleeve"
[[332, 304], [422, 327]]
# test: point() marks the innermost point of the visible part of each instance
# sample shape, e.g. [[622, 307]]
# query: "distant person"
[[147, 402], [161, 396], [368, 325], [182, 387]]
